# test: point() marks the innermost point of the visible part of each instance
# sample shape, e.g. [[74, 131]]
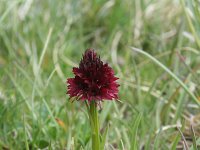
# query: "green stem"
[[95, 126]]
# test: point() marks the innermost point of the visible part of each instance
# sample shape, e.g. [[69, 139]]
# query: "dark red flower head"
[[94, 80]]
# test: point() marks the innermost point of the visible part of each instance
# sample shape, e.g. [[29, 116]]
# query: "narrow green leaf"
[[194, 138], [194, 98], [134, 145], [103, 137], [26, 141]]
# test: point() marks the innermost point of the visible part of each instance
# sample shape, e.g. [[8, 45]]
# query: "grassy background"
[[40, 42]]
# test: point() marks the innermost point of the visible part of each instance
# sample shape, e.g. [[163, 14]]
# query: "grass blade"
[[184, 140], [194, 138], [26, 141], [135, 131], [191, 26], [103, 137], [194, 98]]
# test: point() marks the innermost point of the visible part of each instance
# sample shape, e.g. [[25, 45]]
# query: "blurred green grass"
[[40, 42]]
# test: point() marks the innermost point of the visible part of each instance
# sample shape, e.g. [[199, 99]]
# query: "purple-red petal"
[[93, 79]]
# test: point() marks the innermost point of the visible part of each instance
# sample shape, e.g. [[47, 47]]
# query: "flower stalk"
[[94, 120]]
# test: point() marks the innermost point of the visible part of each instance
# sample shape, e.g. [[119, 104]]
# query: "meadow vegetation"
[[153, 46]]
